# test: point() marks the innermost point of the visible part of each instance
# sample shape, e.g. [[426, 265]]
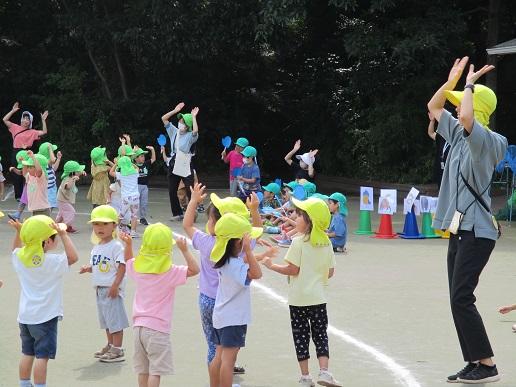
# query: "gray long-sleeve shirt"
[[476, 154]]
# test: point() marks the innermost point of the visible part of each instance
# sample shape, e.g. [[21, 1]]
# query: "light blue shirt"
[[251, 172], [233, 300], [339, 227], [185, 140]]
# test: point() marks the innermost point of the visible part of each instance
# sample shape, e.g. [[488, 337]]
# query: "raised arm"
[[37, 165], [44, 130], [466, 108], [195, 128], [254, 271], [70, 250], [128, 240], [253, 203], [153, 153], [166, 117], [197, 198], [8, 116], [112, 170], [57, 162], [288, 156], [311, 171], [17, 226], [431, 127], [193, 267]]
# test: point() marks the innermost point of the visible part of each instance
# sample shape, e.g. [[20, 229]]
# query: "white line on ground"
[[402, 374]]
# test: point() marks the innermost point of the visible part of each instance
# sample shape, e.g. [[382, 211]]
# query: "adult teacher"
[[464, 208], [23, 138], [182, 138]]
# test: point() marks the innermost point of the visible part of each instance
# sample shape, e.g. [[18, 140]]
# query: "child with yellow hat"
[[41, 276], [310, 262], [98, 193], [156, 278], [204, 243], [67, 193], [107, 265], [232, 310]]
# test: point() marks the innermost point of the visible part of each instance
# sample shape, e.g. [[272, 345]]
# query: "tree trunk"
[[103, 80], [492, 39], [121, 72]]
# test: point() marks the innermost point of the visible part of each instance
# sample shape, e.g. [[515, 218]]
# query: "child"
[[507, 309], [66, 195], [47, 149], [270, 194], [41, 298], [128, 177], [338, 230], [235, 160], [305, 168], [232, 310], [108, 267], [2, 180], [156, 279], [98, 193], [250, 173], [310, 262], [21, 170], [144, 167], [36, 178]]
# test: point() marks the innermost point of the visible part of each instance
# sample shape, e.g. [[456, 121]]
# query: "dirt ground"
[[388, 307]]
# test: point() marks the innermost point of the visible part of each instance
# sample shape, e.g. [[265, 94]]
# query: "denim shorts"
[[231, 337], [39, 340]]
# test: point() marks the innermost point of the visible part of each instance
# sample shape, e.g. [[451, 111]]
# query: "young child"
[[204, 242], [338, 230], [270, 193], [128, 177], [2, 180], [98, 194], [67, 192], [310, 262], [144, 167], [305, 168], [47, 149], [156, 279], [41, 298], [36, 178], [107, 265], [21, 170], [250, 173], [235, 160], [232, 310]]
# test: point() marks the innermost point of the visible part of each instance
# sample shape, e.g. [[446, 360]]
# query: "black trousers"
[[309, 320], [173, 185], [17, 180], [467, 257]]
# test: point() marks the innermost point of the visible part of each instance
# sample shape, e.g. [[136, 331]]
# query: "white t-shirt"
[[129, 185], [41, 294], [104, 262]]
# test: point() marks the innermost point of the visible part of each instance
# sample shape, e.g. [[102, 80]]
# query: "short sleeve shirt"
[[307, 287], [37, 192], [235, 161], [338, 226], [208, 277], [298, 172], [67, 191], [143, 172], [105, 259], [250, 172], [23, 138], [129, 185]]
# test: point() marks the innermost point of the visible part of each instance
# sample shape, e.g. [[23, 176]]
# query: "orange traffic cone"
[[385, 229]]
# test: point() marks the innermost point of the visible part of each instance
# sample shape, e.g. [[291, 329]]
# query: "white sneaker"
[[306, 381], [326, 379], [134, 235]]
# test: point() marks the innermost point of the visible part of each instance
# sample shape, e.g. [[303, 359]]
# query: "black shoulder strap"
[[475, 194], [16, 135]]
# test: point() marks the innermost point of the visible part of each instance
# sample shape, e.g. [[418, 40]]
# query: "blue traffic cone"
[[410, 229]]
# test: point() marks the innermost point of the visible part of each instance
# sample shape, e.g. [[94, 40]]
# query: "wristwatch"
[[470, 86]]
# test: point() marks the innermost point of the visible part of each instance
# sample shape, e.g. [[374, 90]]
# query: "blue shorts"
[[231, 337], [39, 340]]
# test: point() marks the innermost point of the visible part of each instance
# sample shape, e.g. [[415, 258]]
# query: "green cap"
[[187, 118], [128, 150], [21, 155], [71, 166], [139, 152], [126, 166], [341, 199], [43, 149], [98, 155], [320, 196], [242, 141], [249, 151], [272, 187], [310, 188], [43, 162], [292, 185]]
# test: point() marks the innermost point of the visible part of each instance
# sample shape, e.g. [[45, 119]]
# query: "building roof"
[[504, 48]]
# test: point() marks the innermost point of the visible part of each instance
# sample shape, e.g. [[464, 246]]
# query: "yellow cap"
[[320, 216], [484, 102], [229, 205], [33, 232], [104, 214], [231, 226], [155, 254]]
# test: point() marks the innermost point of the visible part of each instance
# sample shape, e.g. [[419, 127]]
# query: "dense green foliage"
[[349, 77]]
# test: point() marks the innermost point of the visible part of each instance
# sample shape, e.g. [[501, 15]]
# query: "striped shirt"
[[51, 174]]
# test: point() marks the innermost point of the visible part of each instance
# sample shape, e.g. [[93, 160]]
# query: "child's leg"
[[109, 337], [214, 368], [206, 305], [154, 381], [301, 334], [144, 200], [319, 328], [117, 339], [1, 190], [143, 380], [40, 371], [227, 364], [25, 367], [134, 208]]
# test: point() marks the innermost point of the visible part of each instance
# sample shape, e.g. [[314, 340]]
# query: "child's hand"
[[60, 228], [162, 149], [505, 309], [30, 154], [126, 238], [198, 194], [223, 154], [267, 262], [1, 283], [44, 115], [271, 252], [457, 69], [182, 244], [85, 269], [76, 178], [195, 111], [15, 224], [246, 243], [179, 106], [313, 152], [59, 154], [122, 140], [149, 147], [113, 291], [252, 202], [127, 138]]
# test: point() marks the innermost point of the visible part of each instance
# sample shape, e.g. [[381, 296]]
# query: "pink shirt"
[[37, 192], [154, 297], [235, 161], [25, 139]]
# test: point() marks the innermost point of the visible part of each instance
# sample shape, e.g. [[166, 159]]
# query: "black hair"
[[307, 220], [53, 237], [230, 252], [333, 201], [213, 211]]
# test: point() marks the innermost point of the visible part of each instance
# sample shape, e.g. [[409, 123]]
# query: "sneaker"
[[8, 194], [176, 218], [71, 230], [144, 222], [200, 208], [238, 370], [340, 250], [113, 355], [306, 381], [514, 328], [134, 234], [480, 374], [102, 352], [467, 369], [326, 379], [284, 243]]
